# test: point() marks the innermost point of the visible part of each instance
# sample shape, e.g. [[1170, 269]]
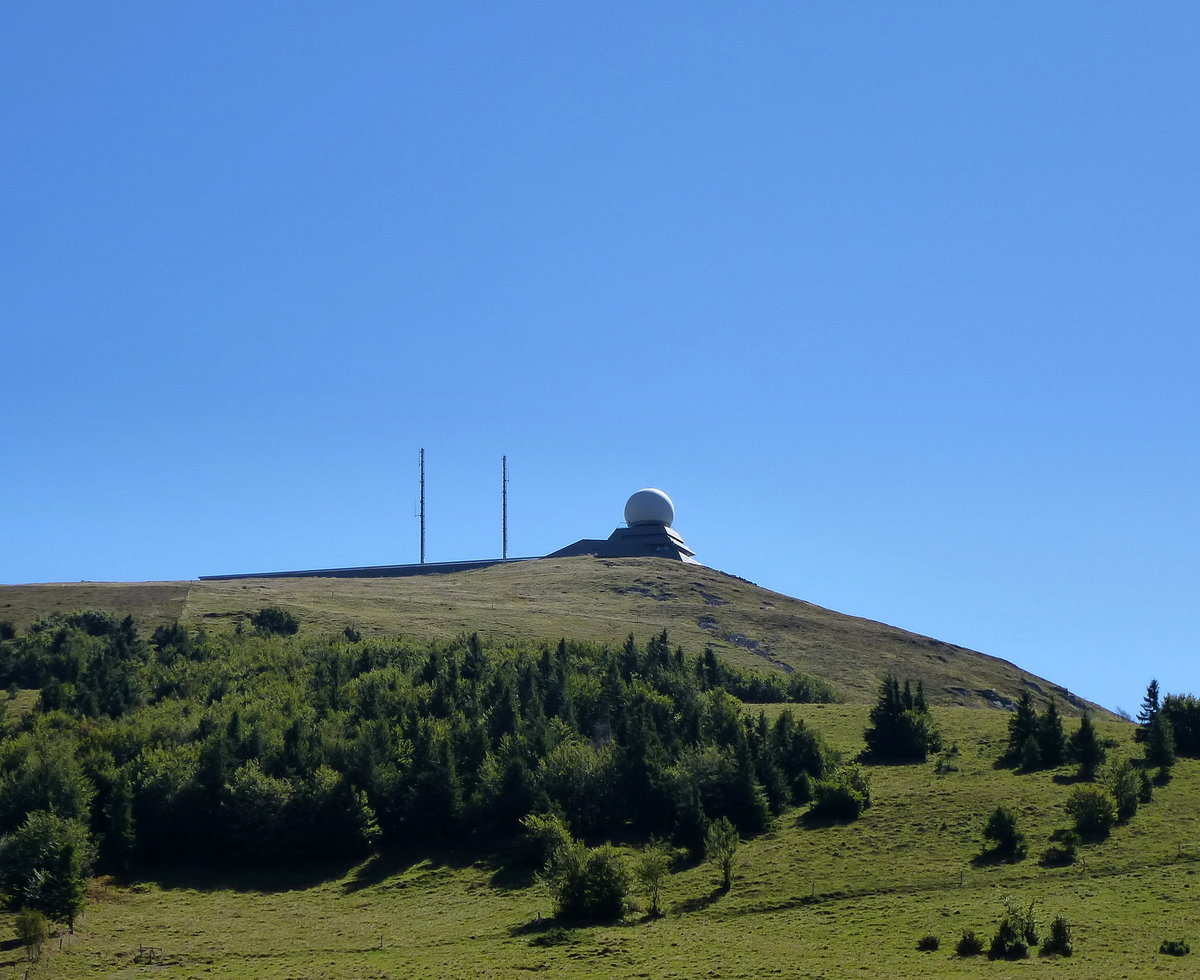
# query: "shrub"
[[352, 635], [33, 930], [969, 944], [1007, 944], [7, 630], [44, 865], [1145, 787], [928, 944], [273, 620], [1016, 933], [721, 846], [651, 868], [833, 799], [843, 796], [544, 835], [1121, 779], [587, 883], [1175, 947], [1094, 811], [1007, 841], [1060, 939]]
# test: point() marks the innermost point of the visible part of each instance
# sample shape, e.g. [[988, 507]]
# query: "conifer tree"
[[1051, 741], [1086, 748], [1160, 742], [901, 727], [1150, 704], [1022, 727]]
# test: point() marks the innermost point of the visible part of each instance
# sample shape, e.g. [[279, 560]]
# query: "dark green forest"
[[255, 747]]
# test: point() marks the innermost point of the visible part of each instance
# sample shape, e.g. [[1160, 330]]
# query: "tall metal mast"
[[504, 506], [422, 506]]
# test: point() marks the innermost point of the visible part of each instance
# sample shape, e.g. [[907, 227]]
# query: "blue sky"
[[897, 301]]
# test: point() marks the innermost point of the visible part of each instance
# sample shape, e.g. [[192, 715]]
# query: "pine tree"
[[1051, 741], [1150, 704], [901, 728], [1086, 748], [1022, 726], [1160, 742]]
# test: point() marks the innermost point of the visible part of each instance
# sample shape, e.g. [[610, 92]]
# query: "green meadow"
[[836, 900]]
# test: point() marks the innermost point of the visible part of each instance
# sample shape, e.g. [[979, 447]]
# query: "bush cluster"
[[1007, 842], [901, 730], [843, 796], [1016, 933], [587, 882], [1060, 941]]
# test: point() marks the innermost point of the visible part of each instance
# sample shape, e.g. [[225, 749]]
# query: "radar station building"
[[649, 514]]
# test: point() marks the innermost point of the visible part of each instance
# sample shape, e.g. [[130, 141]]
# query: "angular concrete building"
[[649, 515]]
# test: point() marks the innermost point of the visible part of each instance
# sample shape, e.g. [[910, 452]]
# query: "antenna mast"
[[504, 507], [422, 506]]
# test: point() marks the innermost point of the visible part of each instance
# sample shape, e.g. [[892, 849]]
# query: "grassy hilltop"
[[810, 897], [587, 599]]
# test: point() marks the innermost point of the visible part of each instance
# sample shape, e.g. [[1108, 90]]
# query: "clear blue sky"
[[898, 301]]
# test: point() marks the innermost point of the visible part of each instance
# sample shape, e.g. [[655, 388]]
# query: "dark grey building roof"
[[639, 541]]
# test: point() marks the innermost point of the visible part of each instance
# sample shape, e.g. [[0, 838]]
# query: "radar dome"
[[649, 506]]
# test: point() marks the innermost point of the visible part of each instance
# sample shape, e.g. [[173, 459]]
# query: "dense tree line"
[[259, 747]]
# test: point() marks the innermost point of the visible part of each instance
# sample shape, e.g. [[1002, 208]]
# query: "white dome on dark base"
[[649, 506], [649, 514]]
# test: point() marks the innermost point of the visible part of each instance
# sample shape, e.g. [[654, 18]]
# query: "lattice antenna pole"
[[504, 507], [422, 506]]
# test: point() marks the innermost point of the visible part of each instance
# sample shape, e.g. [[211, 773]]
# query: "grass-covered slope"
[[586, 599], [832, 901]]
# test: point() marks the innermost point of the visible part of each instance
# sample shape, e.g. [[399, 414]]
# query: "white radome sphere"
[[649, 506]]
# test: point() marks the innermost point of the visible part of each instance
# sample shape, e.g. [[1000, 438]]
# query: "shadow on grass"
[[390, 862], [509, 877], [700, 902], [868, 758], [817, 821], [1070, 778], [990, 859], [221, 877]]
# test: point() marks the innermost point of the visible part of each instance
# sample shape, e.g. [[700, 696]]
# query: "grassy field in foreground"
[[837, 901]]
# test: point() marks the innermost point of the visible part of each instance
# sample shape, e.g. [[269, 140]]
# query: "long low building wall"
[[376, 571]]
